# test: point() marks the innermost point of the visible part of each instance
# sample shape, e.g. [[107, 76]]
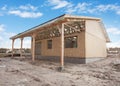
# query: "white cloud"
[[104, 7], [2, 28], [26, 14], [28, 7], [114, 31], [118, 12], [4, 37], [1, 38], [3, 10], [5, 42], [109, 7], [91, 8], [83, 7], [57, 4], [114, 44], [4, 7], [24, 11], [79, 8]]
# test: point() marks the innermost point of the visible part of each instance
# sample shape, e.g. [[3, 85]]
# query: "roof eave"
[[37, 27], [50, 22]]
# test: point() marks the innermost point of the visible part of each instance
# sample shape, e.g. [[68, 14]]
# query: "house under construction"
[[67, 38]]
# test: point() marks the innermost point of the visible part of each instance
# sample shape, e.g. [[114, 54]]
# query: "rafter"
[[55, 31]]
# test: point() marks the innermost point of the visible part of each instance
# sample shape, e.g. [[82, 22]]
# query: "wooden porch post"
[[33, 47], [21, 47], [12, 46], [62, 46], [31, 44]]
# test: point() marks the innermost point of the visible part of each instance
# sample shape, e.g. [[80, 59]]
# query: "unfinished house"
[[70, 38]]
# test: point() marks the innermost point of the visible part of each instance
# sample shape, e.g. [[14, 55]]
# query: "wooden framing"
[[62, 46], [21, 47], [54, 31], [33, 47], [12, 47], [61, 26]]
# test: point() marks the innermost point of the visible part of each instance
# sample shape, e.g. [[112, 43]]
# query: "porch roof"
[[60, 19]]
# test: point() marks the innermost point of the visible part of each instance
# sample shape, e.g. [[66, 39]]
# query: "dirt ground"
[[22, 72]]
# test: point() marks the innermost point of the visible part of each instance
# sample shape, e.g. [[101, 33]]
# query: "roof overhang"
[[104, 32], [58, 20]]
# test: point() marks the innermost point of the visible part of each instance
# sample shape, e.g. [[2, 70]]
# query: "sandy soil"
[[22, 72]]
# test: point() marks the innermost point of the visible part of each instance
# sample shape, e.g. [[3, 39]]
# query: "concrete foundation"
[[76, 60]]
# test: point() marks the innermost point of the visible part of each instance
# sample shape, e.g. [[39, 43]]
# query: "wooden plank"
[[21, 47], [31, 44], [62, 46], [12, 46], [33, 47]]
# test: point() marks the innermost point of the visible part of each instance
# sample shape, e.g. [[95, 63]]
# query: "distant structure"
[[67, 38], [113, 51], [3, 50]]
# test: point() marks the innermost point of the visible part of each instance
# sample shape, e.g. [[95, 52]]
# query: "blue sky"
[[17, 16]]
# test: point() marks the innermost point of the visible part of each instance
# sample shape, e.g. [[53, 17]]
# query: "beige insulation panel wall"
[[80, 50], [69, 52], [95, 40]]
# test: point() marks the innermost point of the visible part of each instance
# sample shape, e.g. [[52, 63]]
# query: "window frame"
[[73, 44], [49, 44]]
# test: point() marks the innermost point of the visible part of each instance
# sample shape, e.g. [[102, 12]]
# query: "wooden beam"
[[62, 46], [12, 47], [59, 28], [33, 47], [81, 19], [21, 47], [70, 26], [31, 44]]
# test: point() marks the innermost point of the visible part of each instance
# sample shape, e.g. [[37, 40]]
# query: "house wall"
[[69, 52], [95, 42], [91, 43]]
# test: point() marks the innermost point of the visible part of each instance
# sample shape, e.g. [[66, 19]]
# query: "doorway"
[[38, 48]]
